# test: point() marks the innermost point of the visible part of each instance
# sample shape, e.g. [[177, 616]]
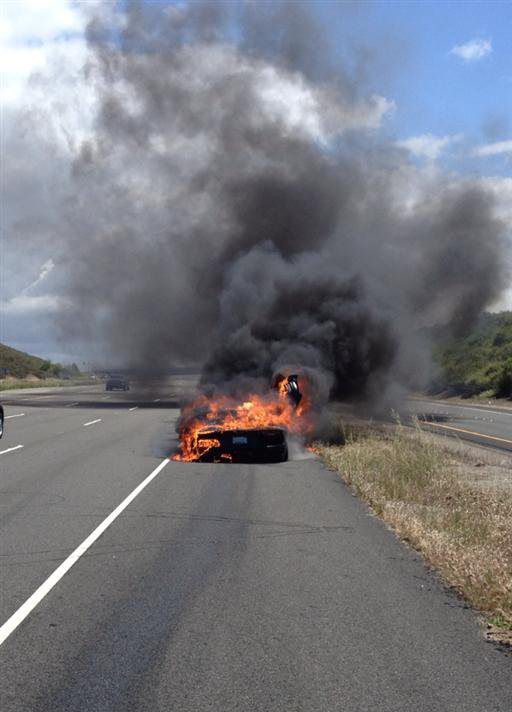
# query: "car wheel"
[[1, 422]]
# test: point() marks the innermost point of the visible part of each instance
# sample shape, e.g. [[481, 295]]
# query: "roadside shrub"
[[504, 383]]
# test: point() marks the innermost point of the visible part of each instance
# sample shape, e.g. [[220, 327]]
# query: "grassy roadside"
[[419, 487], [10, 384]]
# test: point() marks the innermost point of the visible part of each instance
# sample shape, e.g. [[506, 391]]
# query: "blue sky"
[[437, 92]]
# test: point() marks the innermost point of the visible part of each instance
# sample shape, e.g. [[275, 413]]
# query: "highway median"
[[449, 501]]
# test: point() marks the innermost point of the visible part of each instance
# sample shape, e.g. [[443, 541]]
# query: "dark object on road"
[[288, 386], [1, 421], [117, 383], [253, 445]]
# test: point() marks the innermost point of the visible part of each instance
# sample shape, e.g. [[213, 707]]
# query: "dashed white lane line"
[[157, 400], [91, 422], [38, 397], [69, 405], [23, 611], [11, 449], [134, 408], [14, 415]]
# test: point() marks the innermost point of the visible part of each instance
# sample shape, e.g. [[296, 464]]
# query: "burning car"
[[242, 445], [253, 429]]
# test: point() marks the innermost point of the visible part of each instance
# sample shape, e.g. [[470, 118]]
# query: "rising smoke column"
[[222, 211]]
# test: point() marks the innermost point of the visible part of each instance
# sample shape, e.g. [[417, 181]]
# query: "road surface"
[[490, 426], [212, 587]]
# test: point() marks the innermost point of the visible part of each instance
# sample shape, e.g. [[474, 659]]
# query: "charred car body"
[[242, 445]]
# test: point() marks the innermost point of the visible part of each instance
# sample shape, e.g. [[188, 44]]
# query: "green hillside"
[[18, 364], [481, 361]]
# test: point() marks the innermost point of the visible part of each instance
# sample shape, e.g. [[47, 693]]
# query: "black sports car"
[[252, 445]]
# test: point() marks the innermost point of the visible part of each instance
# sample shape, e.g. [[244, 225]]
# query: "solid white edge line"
[[16, 415], [26, 608], [91, 422], [11, 449]]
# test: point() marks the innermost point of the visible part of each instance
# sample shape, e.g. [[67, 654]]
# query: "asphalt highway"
[[490, 426], [134, 583]]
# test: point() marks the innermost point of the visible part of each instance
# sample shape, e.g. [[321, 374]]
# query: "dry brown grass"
[[417, 486]]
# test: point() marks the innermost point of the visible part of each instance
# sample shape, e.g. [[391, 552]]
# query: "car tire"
[[1, 421]]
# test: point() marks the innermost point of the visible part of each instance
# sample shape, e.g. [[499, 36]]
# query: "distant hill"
[[20, 365], [481, 361]]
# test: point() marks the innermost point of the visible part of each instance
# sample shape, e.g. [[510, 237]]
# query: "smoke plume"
[[234, 207]]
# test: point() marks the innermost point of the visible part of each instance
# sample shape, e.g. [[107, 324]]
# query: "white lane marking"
[[91, 422], [15, 415], [11, 449], [71, 404], [157, 400], [44, 589], [134, 408]]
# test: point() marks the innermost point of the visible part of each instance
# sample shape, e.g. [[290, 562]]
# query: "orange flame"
[[226, 413]]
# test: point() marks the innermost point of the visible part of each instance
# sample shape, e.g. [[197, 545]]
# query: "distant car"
[[1, 421], [117, 383], [237, 445]]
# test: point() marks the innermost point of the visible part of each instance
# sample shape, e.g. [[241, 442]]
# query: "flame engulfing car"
[[251, 429], [242, 445]]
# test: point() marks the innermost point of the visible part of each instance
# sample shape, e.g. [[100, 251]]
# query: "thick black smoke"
[[233, 208]]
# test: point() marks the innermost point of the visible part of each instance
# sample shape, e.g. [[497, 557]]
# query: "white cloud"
[[501, 188], [494, 149], [27, 20], [31, 33], [45, 270], [317, 112], [33, 305], [427, 145], [473, 50]]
